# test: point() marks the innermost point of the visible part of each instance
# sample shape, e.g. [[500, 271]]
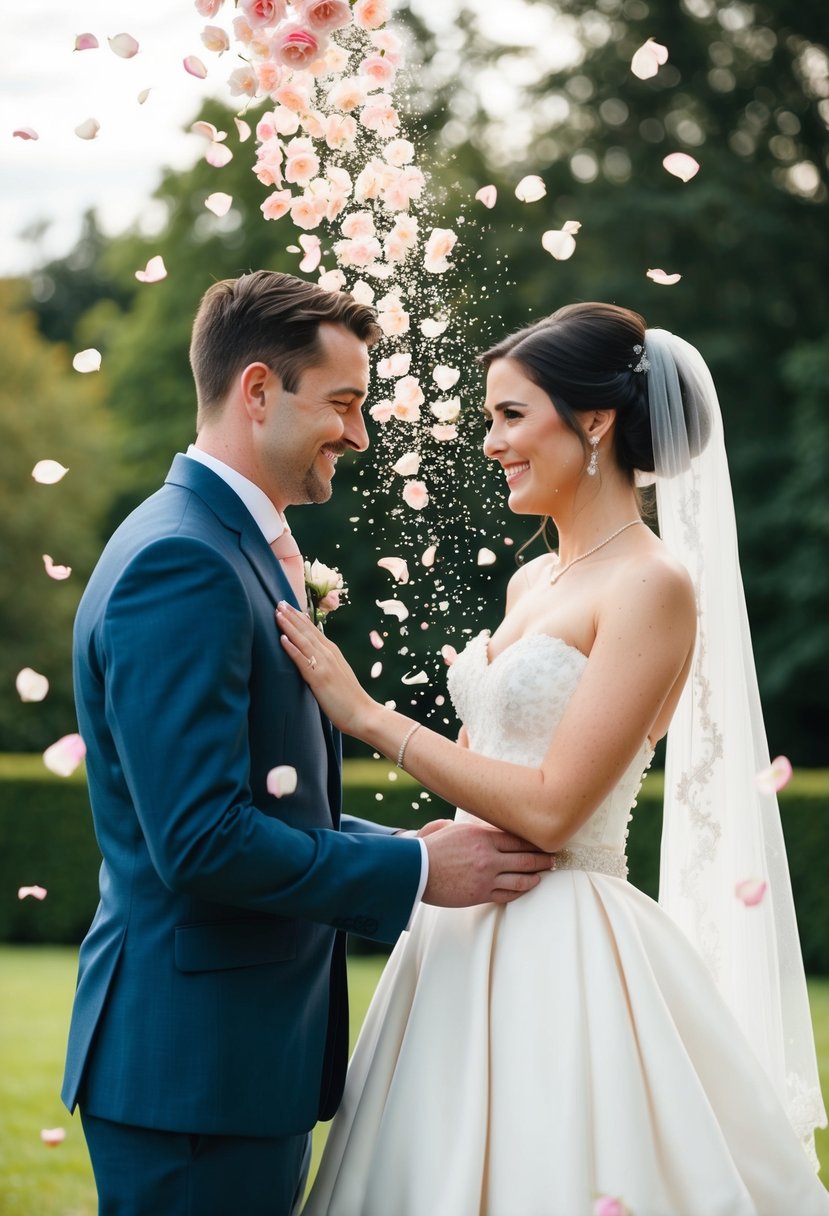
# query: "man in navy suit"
[[209, 1031]]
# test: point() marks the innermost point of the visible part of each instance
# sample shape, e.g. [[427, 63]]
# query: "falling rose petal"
[[219, 203], [530, 189], [415, 677], [681, 165], [281, 780], [609, 1205], [432, 327], [88, 129], [123, 45], [662, 277], [313, 252], [195, 67], [87, 360], [444, 432], [375, 639], [34, 892], [415, 495], [49, 472], [86, 42], [508, 540], [750, 891], [64, 756], [428, 557], [647, 61], [408, 465], [53, 1136], [143, 95], [153, 272], [560, 244], [487, 195], [393, 608], [218, 155], [243, 129], [775, 777], [58, 573], [448, 654], [31, 685], [486, 557], [376, 668], [397, 567], [208, 130], [25, 133], [396, 365], [445, 377]]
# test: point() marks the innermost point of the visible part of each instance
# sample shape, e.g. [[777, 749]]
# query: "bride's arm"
[[644, 634]]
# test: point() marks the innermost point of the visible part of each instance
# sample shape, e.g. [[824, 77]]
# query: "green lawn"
[[36, 986]]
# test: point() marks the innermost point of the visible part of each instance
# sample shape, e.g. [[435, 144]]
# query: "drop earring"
[[593, 465]]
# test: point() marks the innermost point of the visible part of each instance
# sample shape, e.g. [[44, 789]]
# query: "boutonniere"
[[325, 588]]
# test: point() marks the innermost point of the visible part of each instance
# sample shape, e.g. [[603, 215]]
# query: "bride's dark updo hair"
[[583, 358]]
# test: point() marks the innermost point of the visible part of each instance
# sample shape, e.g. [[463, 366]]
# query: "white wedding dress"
[[523, 1060]]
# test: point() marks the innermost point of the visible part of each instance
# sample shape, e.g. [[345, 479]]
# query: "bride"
[[584, 1042]]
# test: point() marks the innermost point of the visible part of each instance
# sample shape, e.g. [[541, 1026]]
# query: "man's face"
[[303, 433]]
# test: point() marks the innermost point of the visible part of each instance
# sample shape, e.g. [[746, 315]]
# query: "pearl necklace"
[[556, 574]]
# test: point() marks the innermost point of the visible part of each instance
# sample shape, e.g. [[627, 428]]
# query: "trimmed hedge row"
[[46, 838]]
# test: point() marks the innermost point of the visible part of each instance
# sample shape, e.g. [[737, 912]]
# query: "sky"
[[47, 85]]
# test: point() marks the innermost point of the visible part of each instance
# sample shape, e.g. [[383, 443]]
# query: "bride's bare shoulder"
[[526, 576], [653, 583]]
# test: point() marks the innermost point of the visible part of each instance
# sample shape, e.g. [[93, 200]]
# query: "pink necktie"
[[287, 551]]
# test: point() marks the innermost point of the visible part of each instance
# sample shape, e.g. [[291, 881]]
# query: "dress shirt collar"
[[270, 522]]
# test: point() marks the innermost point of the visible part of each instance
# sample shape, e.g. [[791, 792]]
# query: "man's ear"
[[256, 382]]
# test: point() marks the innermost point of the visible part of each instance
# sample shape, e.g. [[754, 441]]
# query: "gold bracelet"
[[404, 744]]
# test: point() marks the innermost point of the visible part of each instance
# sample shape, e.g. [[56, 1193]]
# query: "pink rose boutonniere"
[[325, 588]]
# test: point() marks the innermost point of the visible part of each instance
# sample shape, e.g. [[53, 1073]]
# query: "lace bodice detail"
[[512, 706]]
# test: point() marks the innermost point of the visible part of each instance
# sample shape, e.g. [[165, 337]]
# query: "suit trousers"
[[140, 1171]]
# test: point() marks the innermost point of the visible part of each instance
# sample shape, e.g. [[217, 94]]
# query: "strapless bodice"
[[511, 707]]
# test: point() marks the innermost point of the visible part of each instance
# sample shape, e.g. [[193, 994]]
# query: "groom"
[[210, 1025]]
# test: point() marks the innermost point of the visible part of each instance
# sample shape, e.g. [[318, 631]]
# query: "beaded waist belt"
[[587, 857]]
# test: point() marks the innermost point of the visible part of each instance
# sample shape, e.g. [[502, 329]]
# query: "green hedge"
[[46, 838]]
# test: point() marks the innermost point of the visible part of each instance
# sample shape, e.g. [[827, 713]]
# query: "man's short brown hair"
[[270, 318]]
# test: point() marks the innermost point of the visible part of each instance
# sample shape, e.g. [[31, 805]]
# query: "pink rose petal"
[[609, 1205], [415, 495], [218, 155], [444, 432], [58, 573], [487, 195], [376, 668], [445, 377], [243, 129], [123, 45], [35, 892], [86, 42], [648, 59], [25, 133], [88, 129], [681, 165], [195, 67], [219, 203], [313, 252], [393, 608], [208, 130], [281, 780], [397, 567], [31, 685], [64, 756], [415, 677], [448, 654], [663, 277], [428, 558], [88, 360], [153, 272], [530, 189], [375, 639], [775, 777], [750, 891], [49, 472], [408, 465], [396, 365], [486, 557], [53, 1136]]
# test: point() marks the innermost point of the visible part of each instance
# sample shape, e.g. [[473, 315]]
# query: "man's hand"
[[473, 864]]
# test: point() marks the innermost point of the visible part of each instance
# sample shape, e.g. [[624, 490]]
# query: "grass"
[[36, 986]]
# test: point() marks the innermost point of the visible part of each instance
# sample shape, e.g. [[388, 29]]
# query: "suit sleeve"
[[175, 648]]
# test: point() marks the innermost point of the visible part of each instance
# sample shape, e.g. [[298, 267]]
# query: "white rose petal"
[[31, 685], [530, 189], [48, 472], [281, 780]]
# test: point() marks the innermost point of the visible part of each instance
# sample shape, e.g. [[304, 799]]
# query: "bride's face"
[[541, 457]]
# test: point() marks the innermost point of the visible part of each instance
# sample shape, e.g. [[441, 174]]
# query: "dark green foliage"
[[46, 838]]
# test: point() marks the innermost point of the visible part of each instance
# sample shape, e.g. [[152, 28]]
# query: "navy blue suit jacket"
[[211, 994]]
